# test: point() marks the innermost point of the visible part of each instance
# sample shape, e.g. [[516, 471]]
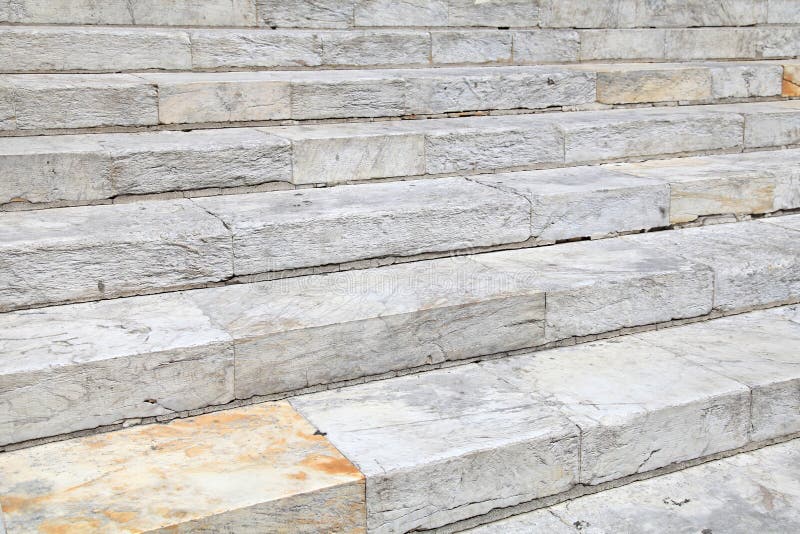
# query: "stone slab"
[[751, 492], [250, 468], [791, 79], [99, 252], [217, 49], [471, 47], [604, 45], [713, 43], [494, 13], [546, 46], [292, 229], [305, 14], [376, 47]]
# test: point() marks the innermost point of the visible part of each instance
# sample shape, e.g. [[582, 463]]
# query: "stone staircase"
[[380, 266]]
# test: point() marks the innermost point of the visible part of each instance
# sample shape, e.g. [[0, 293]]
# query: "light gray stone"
[[600, 286], [306, 13], [8, 118], [376, 47], [546, 46], [90, 253], [754, 263], [47, 101], [783, 12], [752, 183], [471, 47], [630, 84], [750, 492], [446, 445], [771, 124], [622, 44], [760, 350], [586, 201], [142, 12], [792, 222], [346, 96], [220, 97], [711, 43], [491, 13], [334, 154], [293, 229], [93, 49], [745, 81], [779, 42], [82, 366], [638, 407], [214, 49], [611, 135], [595, 14]]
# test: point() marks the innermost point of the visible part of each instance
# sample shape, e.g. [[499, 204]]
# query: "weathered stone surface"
[[43, 101], [745, 81], [95, 167], [471, 47], [712, 43], [758, 349], [586, 201], [626, 84], [779, 42], [546, 46], [783, 12], [446, 445], [377, 47], [645, 132], [792, 222], [142, 12], [600, 286], [89, 49], [622, 44], [639, 408], [8, 118], [97, 252], [770, 124], [292, 229], [305, 13], [254, 468], [87, 365], [791, 79], [491, 13], [750, 492], [339, 94], [754, 263], [213, 49], [757, 182]]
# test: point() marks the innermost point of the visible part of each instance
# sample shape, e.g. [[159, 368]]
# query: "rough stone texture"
[[745, 81], [254, 468], [783, 12], [471, 47], [446, 445], [759, 349], [292, 229], [546, 46], [142, 12], [758, 182], [791, 79], [600, 286], [622, 44], [792, 222], [751, 492], [87, 365], [44, 101], [491, 13], [651, 83], [639, 408], [754, 263], [97, 252], [88, 49], [341, 95], [586, 201], [770, 124], [712, 43], [305, 13], [627, 133], [214, 49], [95, 167], [359, 48], [8, 118], [780, 42]]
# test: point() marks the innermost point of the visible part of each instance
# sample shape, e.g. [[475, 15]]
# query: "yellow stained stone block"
[[256, 469], [791, 80]]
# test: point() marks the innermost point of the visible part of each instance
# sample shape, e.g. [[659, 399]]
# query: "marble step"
[[99, 252], [749, 492], [353, 14], [90, 168], [82, 366], [257, 469], [114, 49], [138, 100], [452, 444]]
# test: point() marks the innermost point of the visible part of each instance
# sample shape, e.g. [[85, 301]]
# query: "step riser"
[[73, 255], [61, 102], [310, 331], [85, 169], [43, 49]]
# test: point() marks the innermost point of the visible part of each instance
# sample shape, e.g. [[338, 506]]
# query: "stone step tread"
[[715, 497], [450, 444], [169, 353], [99, 252], [85, 168], [115, 49], [153, 99], [384, 13], [250, 469]]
